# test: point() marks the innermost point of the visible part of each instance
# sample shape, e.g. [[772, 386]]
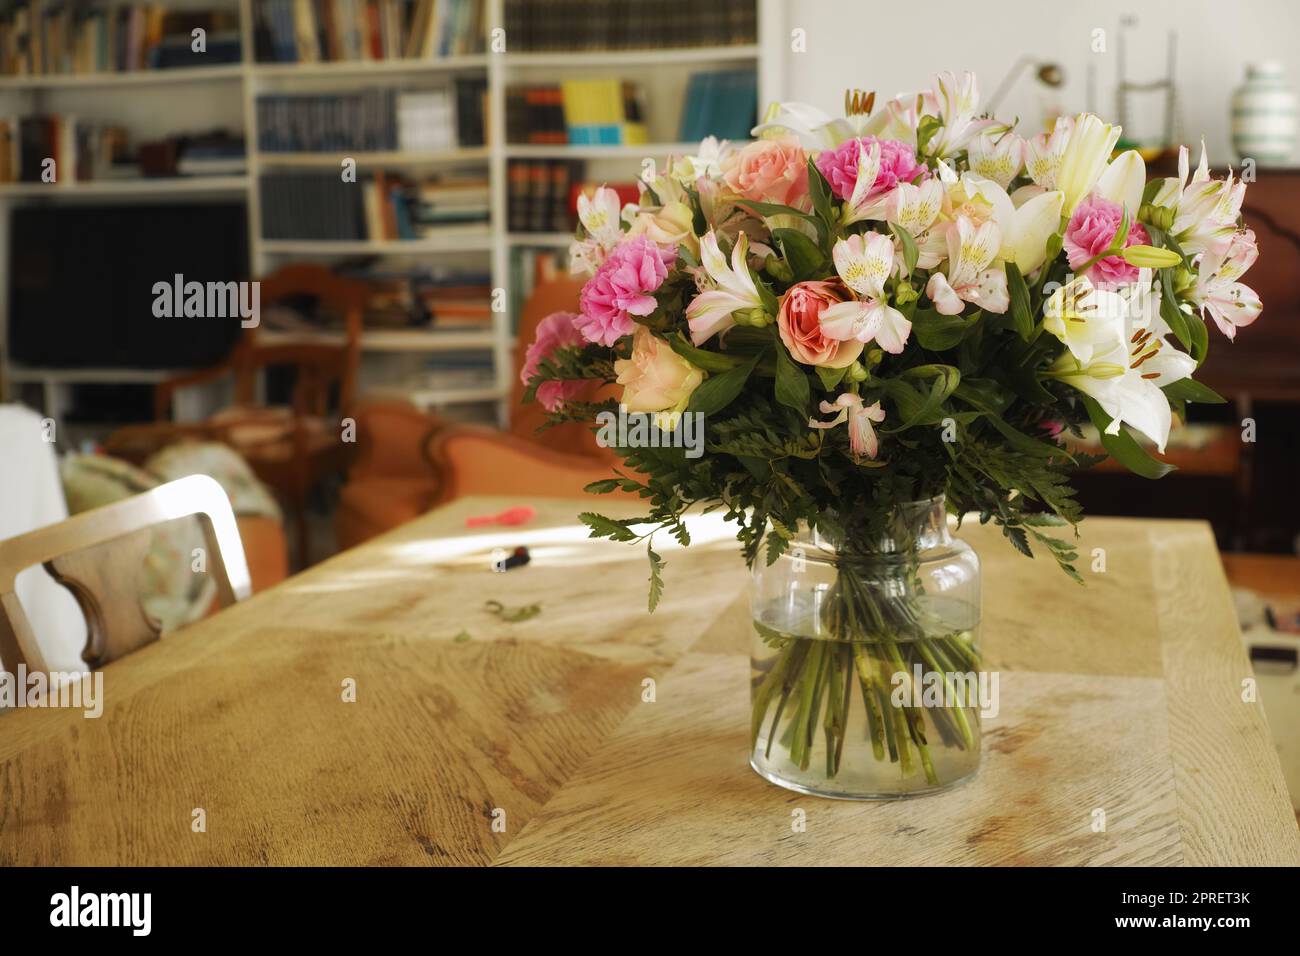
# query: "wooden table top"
[[1123, 696]]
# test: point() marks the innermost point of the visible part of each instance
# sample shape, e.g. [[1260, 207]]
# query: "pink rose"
[[1091, 230], [897, 164], [621, 288], [799, 323], [770, 170], [554, 332]]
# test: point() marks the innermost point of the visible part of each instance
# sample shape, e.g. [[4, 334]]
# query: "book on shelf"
[[721, 103], [372, 119], [539, 195], [381, 207], [575, 25], [334, 31], [79, 151], [44, 38], [588, 112]]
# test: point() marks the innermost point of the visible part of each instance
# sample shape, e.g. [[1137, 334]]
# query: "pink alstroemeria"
[[733, 289], [848, 407], [968, 278], [1230, 303], [1205, 209], [864, 263]]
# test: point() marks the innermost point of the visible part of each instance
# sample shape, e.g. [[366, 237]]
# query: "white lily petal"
[[1123, 181], [1025, 241]]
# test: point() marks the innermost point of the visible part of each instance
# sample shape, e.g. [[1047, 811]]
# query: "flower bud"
[[1151, 257], [778, 269]]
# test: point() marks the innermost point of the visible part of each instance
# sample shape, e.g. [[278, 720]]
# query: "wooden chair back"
[[98, 556]]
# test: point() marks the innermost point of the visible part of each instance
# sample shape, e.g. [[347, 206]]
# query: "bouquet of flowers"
[[861, 313]]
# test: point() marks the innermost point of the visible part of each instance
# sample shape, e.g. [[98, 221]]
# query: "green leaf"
[[513, 615], [604, 486], [701, 358], [820, 191], [770, 209], [1021, 313], [831, 377], [791, 383], [602, 527], [916, 407], [1123, 447], [805, 258], [656, 577], [1187, 390], [938, 333], [910, 253], [718, 391], [1171, 313]]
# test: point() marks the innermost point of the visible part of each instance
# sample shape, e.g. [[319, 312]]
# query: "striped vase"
[[1264, 116]]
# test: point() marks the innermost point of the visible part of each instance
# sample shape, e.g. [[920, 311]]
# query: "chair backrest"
[[319, 366], [98, 555]]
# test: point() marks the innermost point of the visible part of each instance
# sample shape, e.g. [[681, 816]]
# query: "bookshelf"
[[172, 96]]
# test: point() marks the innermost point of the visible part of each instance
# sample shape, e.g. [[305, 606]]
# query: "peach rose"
[[799, 323], [670, 226], [770, 170], [655, 378]]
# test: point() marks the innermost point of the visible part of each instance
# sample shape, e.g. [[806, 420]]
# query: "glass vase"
[[866, 680]]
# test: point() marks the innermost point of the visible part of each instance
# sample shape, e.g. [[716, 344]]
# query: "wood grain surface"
[[476, 740]]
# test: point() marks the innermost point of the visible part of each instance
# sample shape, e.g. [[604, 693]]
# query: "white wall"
[[898, 46]]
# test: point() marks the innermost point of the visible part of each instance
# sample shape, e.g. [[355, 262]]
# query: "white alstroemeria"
[[1205, 209], [733, 289], [1123, 182], [848, 407], [1125, 378], [864, 263], [1084, 159], [859, 207], [1217, 292], [600, 215], [915, 208], [1085, 318], [1024, 230], [900, 117], [707, 163], [814, 128], [997, 154], [968, 278], [958, 107], [1043, 153]]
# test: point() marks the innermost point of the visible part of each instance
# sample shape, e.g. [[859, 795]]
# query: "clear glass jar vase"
[[866, 680]]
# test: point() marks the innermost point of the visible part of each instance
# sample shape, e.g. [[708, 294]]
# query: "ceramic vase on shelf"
[[1264, 116], [866, 680]]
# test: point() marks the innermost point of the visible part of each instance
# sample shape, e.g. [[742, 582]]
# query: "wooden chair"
[[292, 448], [98, 555]]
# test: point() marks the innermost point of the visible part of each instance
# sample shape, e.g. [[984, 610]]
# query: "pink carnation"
[[897, 164], [621, 288], [556, 331], [1091, 230]]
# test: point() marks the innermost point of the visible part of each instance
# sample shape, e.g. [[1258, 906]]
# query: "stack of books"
[[723, 103], [52, 39], [536, 25], [314, 31], [368, 120], [607, 112], [381, 207], [60, 150], [539, 195]]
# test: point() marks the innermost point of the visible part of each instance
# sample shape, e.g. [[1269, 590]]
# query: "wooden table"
[[1123, 696]]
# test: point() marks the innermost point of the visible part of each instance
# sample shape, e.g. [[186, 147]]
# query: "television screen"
[[82, 281]]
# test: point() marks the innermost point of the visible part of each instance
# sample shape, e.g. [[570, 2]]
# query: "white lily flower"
[[1025, 234], [848, 407], [958, 106], [997, 154], [1123, 182], [1084, 158], [707, 163], [864, 263], [1126, 377], [1230, 303], [1085, 318], [815, 128], [734, 289]]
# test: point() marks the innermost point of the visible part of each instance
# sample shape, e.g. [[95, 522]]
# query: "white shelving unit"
[[249, 79]]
